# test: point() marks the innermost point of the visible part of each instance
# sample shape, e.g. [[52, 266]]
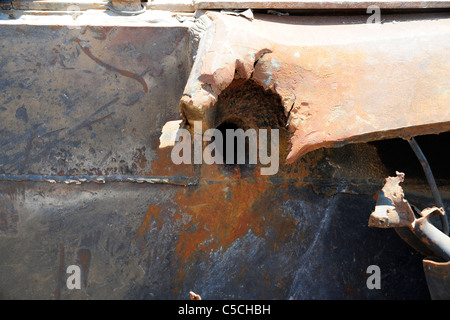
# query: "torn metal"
[[194, 296], [338, 83], [92, 101], [394, 211]]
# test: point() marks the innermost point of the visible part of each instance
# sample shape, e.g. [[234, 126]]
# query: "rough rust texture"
[[337, 83], [399, 214], [191, 6], [393, 211], [262, 109], [300, 234], [127, 5], [311, 4]]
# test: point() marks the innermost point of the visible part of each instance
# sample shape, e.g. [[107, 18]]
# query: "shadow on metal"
[[437, 274]]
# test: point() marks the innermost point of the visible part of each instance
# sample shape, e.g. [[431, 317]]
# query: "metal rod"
[[430, 178], [434, 239]]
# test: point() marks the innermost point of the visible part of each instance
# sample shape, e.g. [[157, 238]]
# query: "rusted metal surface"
[[437, 274], [55, 119], [193, 5], [160, 243], [89, 104], [397, 213], [52, 5], [337, 83], [394, 211], [127, 5], [311, 4], [194, 296]]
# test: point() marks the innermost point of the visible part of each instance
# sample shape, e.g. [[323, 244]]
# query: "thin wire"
[[430, 178]]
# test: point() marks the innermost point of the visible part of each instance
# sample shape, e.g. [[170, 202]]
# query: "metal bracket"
[[393, 211]]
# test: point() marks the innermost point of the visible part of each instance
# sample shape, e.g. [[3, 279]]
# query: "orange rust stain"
[[221, 213], [164, 166], [152, 215]]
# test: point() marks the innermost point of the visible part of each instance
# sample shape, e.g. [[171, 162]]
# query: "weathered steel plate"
[[86, 105]]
